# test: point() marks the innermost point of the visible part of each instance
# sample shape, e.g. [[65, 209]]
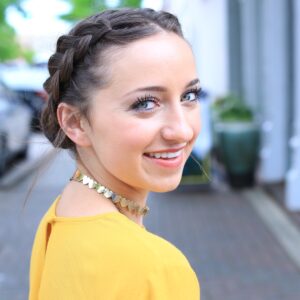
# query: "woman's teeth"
[[165, 154]]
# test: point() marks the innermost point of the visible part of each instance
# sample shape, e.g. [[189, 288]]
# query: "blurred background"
[[236, 214]]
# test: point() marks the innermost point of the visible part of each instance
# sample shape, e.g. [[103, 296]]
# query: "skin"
[[119, 136]]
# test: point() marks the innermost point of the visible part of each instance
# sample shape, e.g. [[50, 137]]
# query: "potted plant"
[[236, 138]]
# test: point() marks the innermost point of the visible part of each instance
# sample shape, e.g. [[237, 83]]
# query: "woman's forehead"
[[156, 56]]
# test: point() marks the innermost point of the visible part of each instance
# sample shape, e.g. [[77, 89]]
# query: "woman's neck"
[[137, 196]]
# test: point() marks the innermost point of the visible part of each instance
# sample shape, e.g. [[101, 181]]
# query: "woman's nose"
[[178, 126]]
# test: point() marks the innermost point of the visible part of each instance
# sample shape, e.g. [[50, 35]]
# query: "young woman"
[[123, 98]]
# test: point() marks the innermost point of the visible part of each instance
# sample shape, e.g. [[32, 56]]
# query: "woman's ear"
[[73, 124]]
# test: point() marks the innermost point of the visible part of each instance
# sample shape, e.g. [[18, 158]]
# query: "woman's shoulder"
[[106, 232], [101, 225], [103, 234]]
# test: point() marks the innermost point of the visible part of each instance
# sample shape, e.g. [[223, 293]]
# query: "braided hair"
[[78, 65]]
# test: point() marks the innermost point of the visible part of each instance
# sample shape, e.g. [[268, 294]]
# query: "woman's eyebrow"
[[193, 82], [160, 88]]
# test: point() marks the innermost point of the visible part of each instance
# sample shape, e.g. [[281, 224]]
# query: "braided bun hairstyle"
[[78, 65]]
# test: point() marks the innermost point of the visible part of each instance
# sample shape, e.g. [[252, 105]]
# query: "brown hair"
[[78, 65]]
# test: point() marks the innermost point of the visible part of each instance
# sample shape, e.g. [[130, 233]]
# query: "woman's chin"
[[165, 186]]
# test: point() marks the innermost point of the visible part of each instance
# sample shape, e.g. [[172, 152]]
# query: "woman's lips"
[[167, 159], [165, 154]]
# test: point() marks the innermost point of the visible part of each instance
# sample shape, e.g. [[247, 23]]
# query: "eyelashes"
[[195, 91], [149, 102], [145, 103]]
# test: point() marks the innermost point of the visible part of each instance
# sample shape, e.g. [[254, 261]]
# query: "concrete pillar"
[[250, 46], [274, 86], [292, 198]]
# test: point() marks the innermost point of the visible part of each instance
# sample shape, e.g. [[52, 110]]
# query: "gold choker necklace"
[[118, 200]]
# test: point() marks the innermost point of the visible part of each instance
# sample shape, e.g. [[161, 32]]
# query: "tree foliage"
[[84, 8], [4, 4], [9, 47]]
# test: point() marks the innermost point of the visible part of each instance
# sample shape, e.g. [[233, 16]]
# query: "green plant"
[[230, 108], [83, 8]]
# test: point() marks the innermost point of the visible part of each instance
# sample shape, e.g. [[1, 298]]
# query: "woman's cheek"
[[140, 134]]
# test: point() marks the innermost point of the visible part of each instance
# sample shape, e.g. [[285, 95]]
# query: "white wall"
[[205, 27]]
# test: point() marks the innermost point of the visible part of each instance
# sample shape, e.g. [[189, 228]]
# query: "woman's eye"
[[145, 104], [191, 96]]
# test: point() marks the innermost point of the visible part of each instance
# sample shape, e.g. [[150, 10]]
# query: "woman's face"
[[145, 122]]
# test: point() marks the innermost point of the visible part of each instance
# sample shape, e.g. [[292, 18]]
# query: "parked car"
[[15, 121], [27, 82]]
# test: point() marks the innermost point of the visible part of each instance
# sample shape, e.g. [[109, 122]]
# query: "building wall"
[[205, 27]]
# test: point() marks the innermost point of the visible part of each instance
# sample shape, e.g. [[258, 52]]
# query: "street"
[[234, 254]]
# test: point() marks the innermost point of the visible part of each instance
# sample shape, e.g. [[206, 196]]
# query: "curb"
[[277, 221]]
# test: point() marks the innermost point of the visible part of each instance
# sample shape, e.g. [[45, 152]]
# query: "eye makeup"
[[197, 94], [148, 102], [145, 103]]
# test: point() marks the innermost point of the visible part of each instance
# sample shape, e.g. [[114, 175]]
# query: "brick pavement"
[[233, 253]]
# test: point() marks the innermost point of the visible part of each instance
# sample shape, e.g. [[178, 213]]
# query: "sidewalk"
[[234, 253]]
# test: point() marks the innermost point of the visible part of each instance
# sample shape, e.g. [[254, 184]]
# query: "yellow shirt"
[[106, 256]]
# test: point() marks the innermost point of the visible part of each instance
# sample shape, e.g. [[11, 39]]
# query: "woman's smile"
[[167, 158]]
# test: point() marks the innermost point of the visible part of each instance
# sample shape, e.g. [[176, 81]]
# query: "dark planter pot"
[[238, 146]]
